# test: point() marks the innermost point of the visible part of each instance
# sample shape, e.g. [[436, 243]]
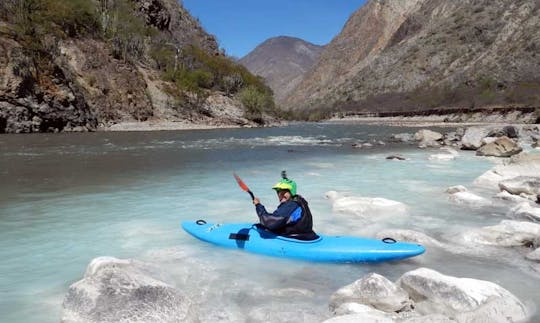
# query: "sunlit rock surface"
[[429, 297], [522, 184], [364, 317], [507, 233], [466, 298], [468, 198], [456, 189], [403, 137], [501, 147], [115, 290], [374, 290], [472, 139], [409, 236], [524, 211], [428, 138], [524, 164], [504, 195], [365, 206], [534, 255]]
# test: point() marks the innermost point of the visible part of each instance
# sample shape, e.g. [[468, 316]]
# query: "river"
[[68, 198]]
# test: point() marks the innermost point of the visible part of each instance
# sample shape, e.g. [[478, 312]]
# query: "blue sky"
[[241, 25]]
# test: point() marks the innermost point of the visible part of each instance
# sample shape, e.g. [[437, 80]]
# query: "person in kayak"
[[292, 218]]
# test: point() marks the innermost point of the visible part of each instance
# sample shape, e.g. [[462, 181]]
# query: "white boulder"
[[504, 195], [409, 236], [469, 199], [373, 290], [524, 211], [365, 207], [455, 189], [534, 255], [472, 139], [427, 135], [115, 290], [507, 233], [404, 137], [357, 308], [524, 164], [521, 184], [365, 317], [427, 138], [432, 318], [435, 293]]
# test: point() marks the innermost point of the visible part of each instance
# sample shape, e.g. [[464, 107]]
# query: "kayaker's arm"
[[278, 219]]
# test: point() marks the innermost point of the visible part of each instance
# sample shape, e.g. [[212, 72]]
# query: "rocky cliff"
[[414, 55], [282, 62], [87, 64]]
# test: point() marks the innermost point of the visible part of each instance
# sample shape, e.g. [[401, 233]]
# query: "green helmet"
[[286, 184]]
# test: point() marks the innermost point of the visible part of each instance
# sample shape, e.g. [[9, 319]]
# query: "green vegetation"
[[33, 19], [195, 72], [256, 102], [192, 72], [125, 32]]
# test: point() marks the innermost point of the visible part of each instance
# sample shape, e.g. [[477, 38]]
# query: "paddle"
[[243, 185]]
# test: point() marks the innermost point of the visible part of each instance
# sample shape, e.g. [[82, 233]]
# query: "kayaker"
[[292, 218]]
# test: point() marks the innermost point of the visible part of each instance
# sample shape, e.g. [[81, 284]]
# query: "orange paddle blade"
[[241, 183]]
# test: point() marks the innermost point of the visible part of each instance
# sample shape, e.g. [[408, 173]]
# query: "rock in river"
[[115, 290], [501, 147]]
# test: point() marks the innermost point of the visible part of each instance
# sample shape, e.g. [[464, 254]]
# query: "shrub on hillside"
[[255, 103]]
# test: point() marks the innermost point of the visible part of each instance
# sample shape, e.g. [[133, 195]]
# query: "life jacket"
[[303, 228]]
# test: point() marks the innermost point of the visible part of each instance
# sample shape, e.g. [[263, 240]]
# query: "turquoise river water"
[[68, 198]]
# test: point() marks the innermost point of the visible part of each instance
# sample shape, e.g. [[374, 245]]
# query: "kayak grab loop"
[[389, 240], [200, 222]]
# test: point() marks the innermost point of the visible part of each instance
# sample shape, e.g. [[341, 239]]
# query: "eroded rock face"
[[30, 105], [82, 83], [391, 53], [115, 290]]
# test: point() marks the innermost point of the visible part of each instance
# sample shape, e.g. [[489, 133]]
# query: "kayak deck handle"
[[389, 240], [200, 222]]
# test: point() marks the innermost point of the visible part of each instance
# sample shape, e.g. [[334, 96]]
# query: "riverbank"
[[447, 120], [159, 125]]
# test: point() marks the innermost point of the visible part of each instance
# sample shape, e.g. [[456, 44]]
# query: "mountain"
[[83, 65], [413, 55], [282, 61]]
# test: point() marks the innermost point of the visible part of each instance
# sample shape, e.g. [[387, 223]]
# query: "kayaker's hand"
[[256, 201]]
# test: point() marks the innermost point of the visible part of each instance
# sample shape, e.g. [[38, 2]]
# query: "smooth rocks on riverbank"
[[425, 295]]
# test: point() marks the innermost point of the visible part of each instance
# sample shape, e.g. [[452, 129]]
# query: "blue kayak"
[[249, 237]]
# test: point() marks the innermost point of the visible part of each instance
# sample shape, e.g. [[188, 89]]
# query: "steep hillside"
[[282, 61], [414, 55], [82, 65]]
